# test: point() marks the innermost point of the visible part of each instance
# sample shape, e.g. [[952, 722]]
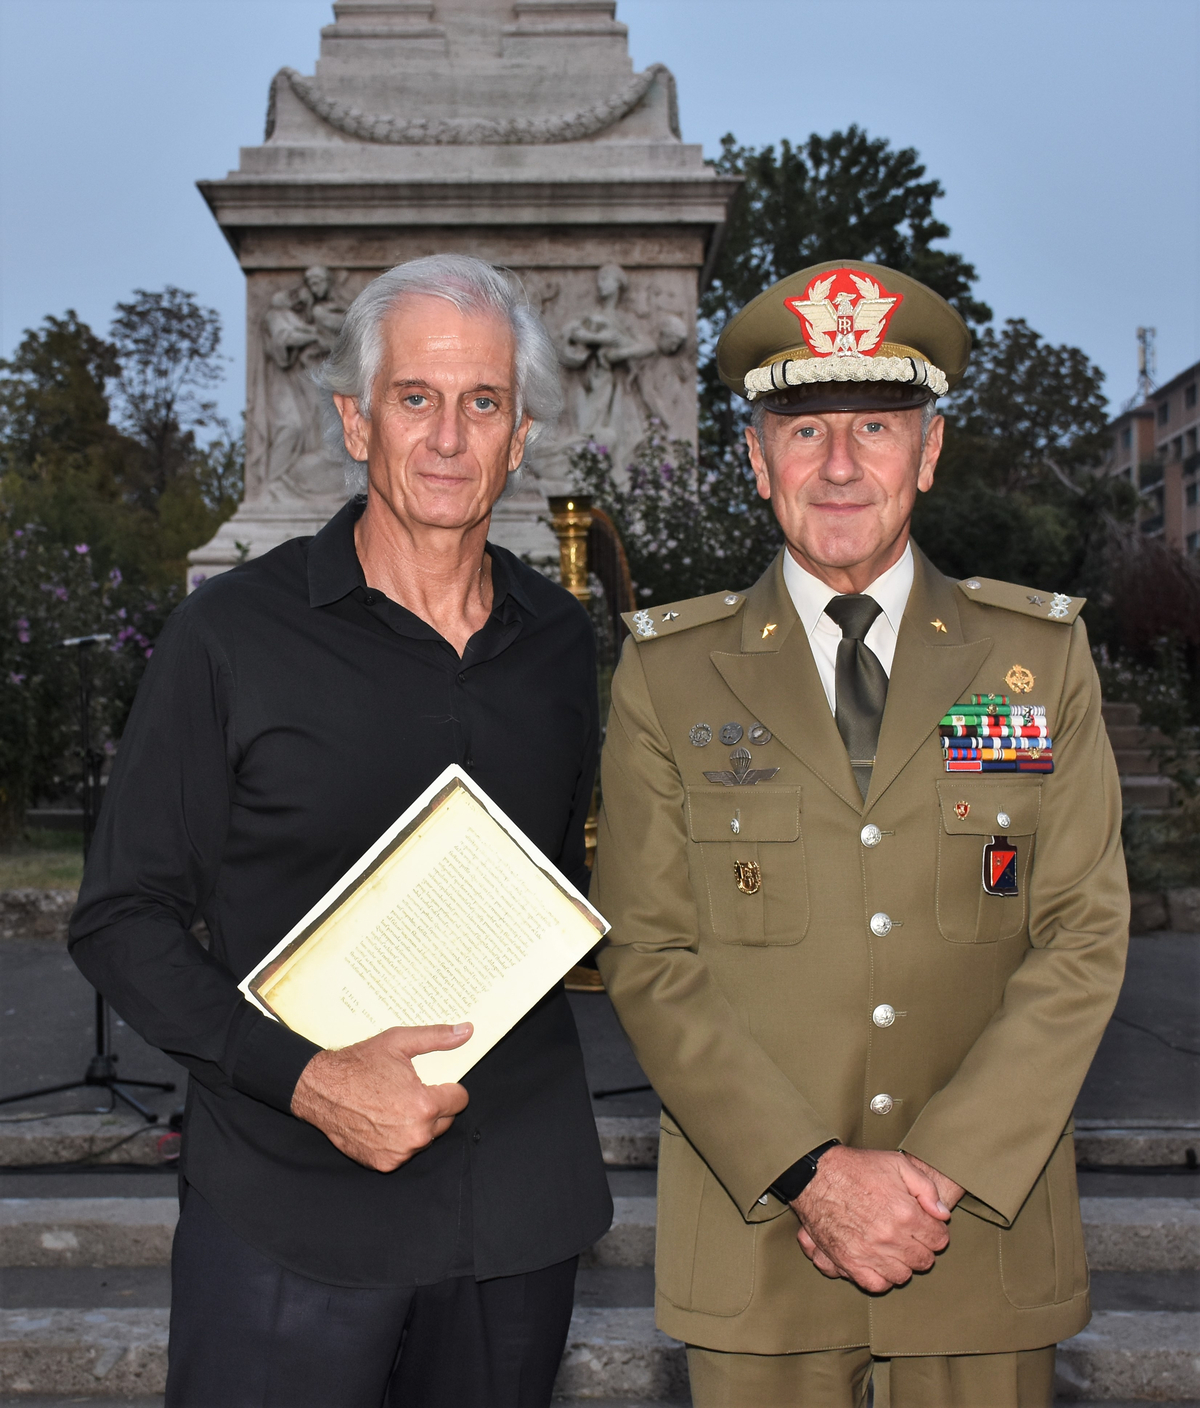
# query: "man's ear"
[[516, 446], [930, 453], [355, 429], [758, 463]]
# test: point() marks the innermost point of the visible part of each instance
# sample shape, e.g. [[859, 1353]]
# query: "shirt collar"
[[334, 570], [811, 596]]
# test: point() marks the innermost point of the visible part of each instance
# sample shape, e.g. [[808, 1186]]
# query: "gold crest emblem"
[[748, 876], [1019, 679]]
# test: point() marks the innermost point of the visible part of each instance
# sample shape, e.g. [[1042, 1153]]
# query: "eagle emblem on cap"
[[844, 314]]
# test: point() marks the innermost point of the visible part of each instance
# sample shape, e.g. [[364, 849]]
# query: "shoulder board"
[[1046, 606], [656, 621]]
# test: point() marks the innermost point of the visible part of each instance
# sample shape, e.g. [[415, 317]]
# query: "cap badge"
[[844, 314]]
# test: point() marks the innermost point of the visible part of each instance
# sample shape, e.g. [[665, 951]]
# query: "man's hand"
[[871, 1217], [369, 1102], [948, 1191]]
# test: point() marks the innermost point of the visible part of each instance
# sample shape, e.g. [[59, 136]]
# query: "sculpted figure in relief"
[[298, 331]]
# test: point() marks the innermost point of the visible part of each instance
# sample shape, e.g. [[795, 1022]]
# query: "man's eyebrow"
[[417, 381]]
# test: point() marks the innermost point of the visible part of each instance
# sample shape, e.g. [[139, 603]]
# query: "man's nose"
[[447, 436], [840, 466]]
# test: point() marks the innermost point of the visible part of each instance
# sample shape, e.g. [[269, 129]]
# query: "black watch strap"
[[791, 1183]]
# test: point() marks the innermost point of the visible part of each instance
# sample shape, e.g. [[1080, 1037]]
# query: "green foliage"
[[845, 196], [49, 593], [143, 495], [687, 530]]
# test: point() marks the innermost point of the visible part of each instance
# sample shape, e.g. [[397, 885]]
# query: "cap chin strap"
[[914, 371]]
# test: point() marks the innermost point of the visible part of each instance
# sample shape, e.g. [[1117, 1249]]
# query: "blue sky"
[[1065, 132]]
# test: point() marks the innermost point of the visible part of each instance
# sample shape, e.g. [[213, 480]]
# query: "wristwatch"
[[793, 1181]]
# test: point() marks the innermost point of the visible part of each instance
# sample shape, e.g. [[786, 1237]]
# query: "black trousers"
[[247, 1333]]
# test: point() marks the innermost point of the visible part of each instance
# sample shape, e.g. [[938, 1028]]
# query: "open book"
[[453, 915]]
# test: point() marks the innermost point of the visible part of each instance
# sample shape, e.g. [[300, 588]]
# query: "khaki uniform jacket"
[[752, 1013]]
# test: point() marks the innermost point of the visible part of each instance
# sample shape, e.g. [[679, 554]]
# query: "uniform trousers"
[[839, 1378], [248, 1333]]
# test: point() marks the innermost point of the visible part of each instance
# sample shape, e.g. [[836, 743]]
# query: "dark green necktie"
[[861, 683]]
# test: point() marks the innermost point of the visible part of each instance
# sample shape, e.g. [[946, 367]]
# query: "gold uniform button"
[[870, 835], [881, 924], [882, 1105], [884, 1015]]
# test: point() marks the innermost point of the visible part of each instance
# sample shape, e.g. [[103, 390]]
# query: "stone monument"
[[514, 130]]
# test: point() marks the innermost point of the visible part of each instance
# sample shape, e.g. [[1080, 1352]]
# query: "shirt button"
[[462, 677], [1003, 820], [882, 1105], [881, 924], [369, 598], [476, 1137], [884, 1015], [870, 835]]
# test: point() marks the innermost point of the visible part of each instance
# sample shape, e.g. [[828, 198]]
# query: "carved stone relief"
[[287, 462]]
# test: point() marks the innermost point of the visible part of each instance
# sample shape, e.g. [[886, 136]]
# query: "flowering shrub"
[[50, 593], [687, 529]]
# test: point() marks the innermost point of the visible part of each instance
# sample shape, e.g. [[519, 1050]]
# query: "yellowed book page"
[[457, 925]]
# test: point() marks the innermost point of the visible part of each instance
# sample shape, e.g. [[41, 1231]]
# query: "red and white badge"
[[844, 314]]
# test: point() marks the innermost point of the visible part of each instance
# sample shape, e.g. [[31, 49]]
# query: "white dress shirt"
[[811, 596]]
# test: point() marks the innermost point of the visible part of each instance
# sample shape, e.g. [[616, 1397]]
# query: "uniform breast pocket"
[[749, 859], [982, 894]]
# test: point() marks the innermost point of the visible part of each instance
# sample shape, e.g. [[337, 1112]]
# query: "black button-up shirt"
[[289, 714]]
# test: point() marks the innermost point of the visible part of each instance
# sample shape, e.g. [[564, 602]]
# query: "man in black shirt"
[[349, 1236]]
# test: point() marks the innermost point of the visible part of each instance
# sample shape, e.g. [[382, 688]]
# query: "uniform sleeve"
[[995, 1123], [153, 864], [732, 1102]]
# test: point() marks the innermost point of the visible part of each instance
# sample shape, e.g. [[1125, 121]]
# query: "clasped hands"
[[370, 1103], [874, 1217]]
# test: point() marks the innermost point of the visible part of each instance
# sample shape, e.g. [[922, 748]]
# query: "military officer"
[[860, 848]]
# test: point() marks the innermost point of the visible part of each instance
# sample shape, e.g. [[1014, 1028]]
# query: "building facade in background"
[[1154, 446]]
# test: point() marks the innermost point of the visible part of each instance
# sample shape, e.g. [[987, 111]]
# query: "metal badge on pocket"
[[748, 876], [1000, 867]]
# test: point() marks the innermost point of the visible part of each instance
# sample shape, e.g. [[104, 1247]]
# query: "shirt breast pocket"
[[748, 863], [973, 810]]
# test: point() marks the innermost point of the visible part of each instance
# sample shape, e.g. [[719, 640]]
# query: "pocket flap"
[[762, 813], [971, 806]]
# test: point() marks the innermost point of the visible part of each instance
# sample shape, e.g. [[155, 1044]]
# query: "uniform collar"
[[334, 570], [811, 596]]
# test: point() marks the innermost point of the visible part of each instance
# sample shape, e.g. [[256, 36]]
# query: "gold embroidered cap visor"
[[844, 336]]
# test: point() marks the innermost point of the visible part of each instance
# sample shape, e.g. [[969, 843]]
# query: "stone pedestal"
[[517, 132]]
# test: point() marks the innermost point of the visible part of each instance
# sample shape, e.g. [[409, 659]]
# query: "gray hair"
[[758, 418], [472, 287]]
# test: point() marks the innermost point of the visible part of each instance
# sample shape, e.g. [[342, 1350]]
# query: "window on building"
[[1193, 542], [1164, 412], [1191, 441], [1127, 438], [1193, 494], [1177, 448], [1189, 395]]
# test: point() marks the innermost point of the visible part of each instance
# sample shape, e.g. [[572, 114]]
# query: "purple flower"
[[198, 577], [115, 576], [60, 593], [23, 631], [14, 678], [121, 610], [81, 548], [149, 652], [19, 533]]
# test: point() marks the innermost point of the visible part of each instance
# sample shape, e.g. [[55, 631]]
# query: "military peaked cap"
[[844, 336]]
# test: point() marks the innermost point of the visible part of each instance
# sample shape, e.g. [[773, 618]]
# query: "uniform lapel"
[[931, 671], [775, 677]]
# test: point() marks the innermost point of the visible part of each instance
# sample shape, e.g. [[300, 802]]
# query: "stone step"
[[1138, 1354], [628, 1141], [1135, 760], [1122, 1234], [1150, 792], [87, 1231], [1136, 1143], [613, 1353]]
